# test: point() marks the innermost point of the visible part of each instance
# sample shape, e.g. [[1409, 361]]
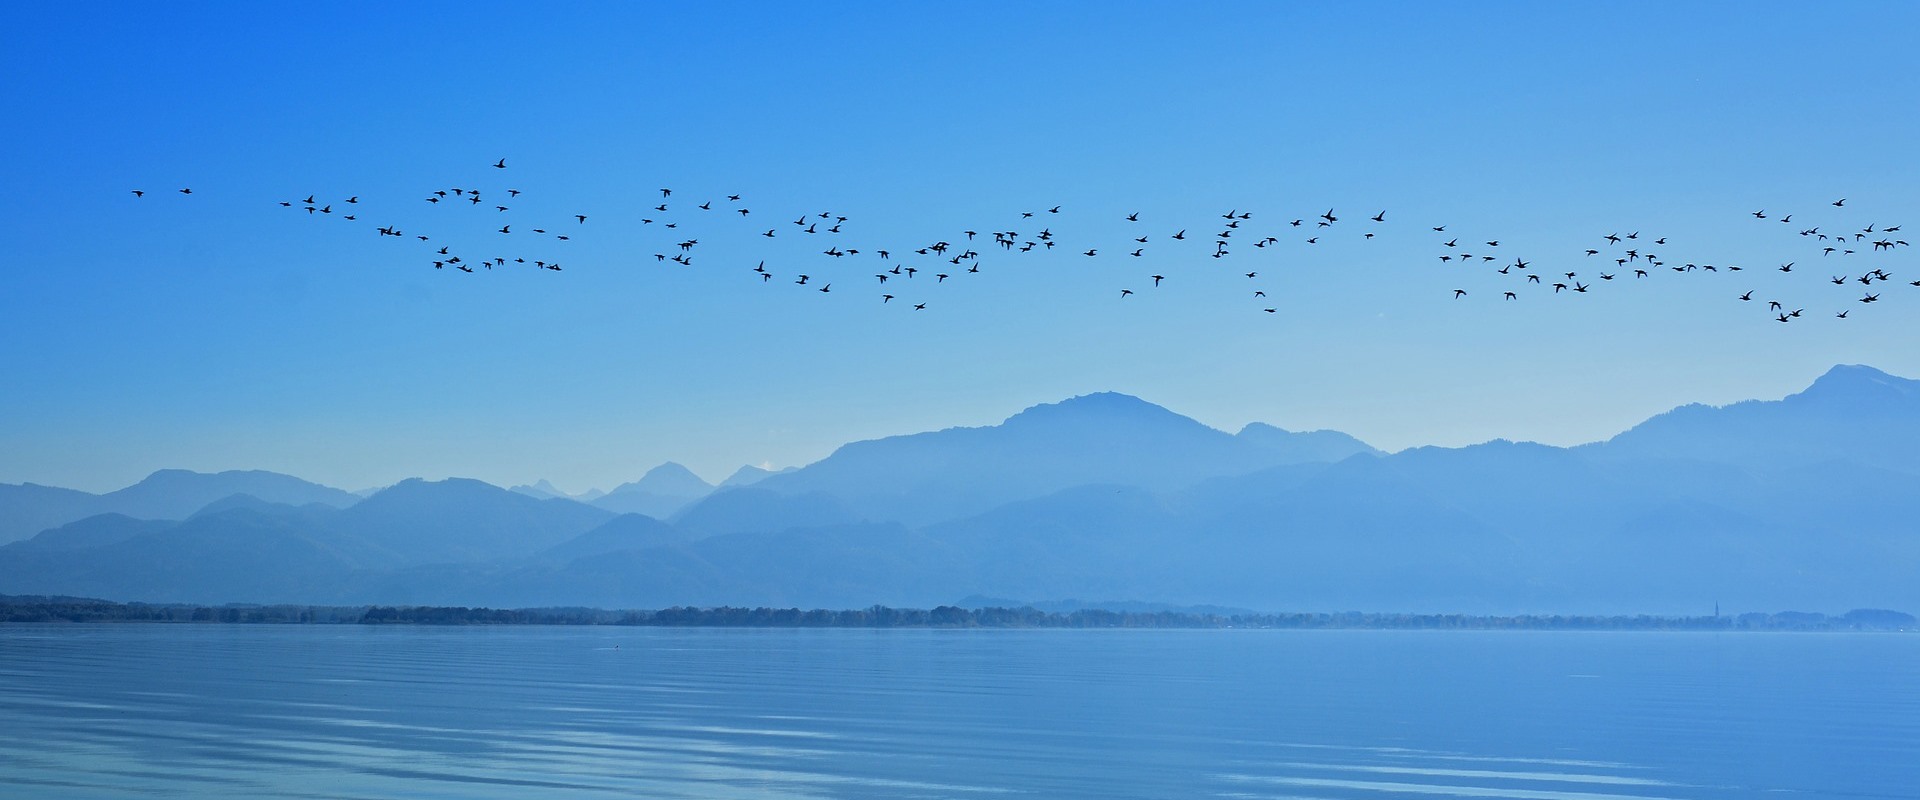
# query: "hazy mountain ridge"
[[1851, 413], [27, 509], [1111, 496], [664, 490], [950, 474]]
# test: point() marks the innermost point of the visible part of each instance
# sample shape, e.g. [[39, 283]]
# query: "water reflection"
[[239, 711]]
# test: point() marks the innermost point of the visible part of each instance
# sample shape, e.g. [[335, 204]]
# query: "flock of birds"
[[907, 275]]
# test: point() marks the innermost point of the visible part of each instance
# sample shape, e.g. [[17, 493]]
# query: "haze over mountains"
[[1809, 502]]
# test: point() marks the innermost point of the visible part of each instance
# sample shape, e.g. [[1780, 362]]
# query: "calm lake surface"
[[103, 711]]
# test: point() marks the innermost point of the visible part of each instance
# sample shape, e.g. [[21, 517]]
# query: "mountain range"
[[1809, 501]]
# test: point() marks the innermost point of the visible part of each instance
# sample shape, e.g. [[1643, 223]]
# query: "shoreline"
[[75, 610]]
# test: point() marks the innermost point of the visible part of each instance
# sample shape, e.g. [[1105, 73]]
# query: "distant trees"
[[72, 609]]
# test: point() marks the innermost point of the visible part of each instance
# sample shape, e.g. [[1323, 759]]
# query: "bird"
[[138, 193], [501, 164]]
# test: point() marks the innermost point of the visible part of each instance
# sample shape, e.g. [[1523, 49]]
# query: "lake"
[[128, 710]]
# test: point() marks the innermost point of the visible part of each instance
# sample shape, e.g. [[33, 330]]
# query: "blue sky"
[[220, 330]]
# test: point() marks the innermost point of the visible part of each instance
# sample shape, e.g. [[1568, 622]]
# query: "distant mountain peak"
[[664, 490], [749, 474], [668, 480], [1852, 413], [1304, 446], [542, 489], [1854, 381], [672, 469], [175, 475], [1101, 407], [422, 486]]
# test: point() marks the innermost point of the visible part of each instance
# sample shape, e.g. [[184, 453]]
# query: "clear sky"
[[220, 330]]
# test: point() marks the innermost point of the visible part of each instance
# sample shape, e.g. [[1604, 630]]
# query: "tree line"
[[20, 609]]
